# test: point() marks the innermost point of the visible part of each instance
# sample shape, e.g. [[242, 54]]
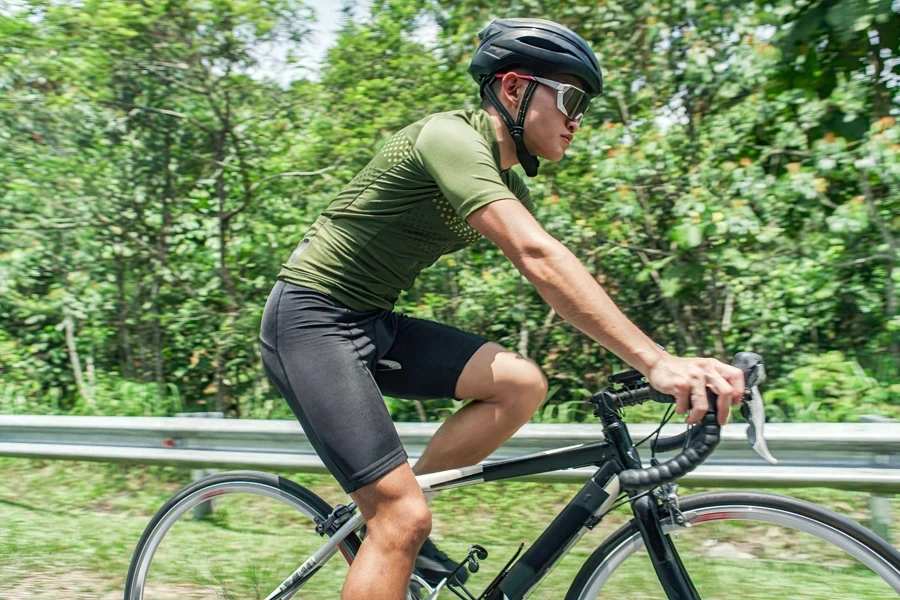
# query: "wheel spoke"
[[257, 533]]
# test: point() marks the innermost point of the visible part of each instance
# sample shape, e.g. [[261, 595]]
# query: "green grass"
[[68, 531]]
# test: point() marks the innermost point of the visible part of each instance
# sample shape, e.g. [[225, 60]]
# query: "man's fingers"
[[719, 383], [723, 403], [690, 385], [725, 394], [682, 399], [699, 404], [735, 378]]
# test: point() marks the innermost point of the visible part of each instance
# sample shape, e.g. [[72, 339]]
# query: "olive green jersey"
[[405, 210]]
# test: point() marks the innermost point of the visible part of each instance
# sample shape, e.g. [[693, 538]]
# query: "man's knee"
[[495, 374], [395, 510], [417, 518], [402, 526], [530, 388]]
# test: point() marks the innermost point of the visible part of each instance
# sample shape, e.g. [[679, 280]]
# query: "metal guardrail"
[[852, 456]]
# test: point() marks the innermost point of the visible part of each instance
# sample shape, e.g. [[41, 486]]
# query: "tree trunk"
[[220, 392], [224, 222], [685, 339], [162, 258], [523, 325], [725, 325], [881, 108], [890, 290], [126, 360], [159, 368], [83, 390], [881, 97], [543, 333], [420, 410], [90, 373]]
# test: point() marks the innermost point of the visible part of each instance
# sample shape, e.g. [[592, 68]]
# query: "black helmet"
[[543, 47], [539, 45]]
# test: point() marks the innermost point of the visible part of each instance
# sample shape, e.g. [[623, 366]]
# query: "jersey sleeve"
[[518, 187], [460, 161]]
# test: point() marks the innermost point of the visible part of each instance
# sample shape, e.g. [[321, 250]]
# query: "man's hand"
[[687, 380]]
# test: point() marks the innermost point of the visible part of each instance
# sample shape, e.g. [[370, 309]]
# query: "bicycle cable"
[[625, 500], [666, 417]]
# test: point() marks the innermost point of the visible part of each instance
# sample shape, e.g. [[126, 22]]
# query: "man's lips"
[[568, 138]]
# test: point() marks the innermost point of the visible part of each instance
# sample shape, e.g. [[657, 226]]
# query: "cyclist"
[[331, 342]]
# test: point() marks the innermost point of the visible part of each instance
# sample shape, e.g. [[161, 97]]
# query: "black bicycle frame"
[[582, 513]]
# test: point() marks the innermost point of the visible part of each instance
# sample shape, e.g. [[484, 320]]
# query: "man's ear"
[[510, 89]]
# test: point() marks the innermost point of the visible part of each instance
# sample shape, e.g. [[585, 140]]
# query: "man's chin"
[[555, 158]]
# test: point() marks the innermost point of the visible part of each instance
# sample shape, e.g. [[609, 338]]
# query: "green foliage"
[[828, 387], [736, 187], [114, 396], [571, 411], [111, 395]]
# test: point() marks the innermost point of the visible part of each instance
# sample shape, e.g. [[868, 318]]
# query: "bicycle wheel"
[[750, 546], [261, 529]]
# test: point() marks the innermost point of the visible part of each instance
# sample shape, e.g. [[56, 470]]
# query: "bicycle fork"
[[666, 562], [668, 566]]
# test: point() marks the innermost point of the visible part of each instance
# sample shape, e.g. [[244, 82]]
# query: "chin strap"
[[528, 161]]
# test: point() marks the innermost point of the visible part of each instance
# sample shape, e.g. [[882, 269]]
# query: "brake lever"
[[755, 415], [752, 409]]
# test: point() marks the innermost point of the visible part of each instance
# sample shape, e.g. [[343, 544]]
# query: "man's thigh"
[[493, 370], [440, 361], [432, 356], [318, 358]]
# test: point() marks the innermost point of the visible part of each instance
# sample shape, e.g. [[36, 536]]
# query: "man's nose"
[[573, 125]]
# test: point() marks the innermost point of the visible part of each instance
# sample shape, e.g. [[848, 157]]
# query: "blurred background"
[[736, 187]]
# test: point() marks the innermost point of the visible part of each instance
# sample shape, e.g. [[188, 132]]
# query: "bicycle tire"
[[830, 527], [253, 482]]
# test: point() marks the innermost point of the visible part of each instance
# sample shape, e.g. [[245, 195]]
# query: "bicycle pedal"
[[475, 554]]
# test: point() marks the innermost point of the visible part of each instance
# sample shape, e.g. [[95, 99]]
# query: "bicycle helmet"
[[541, 46]]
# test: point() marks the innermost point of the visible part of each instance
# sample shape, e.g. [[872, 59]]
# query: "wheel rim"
[[775, 516], [148, 549]]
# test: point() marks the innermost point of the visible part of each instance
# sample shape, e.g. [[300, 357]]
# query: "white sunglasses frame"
[[561, 89]]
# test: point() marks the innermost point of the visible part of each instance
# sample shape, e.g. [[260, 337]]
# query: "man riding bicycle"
[[332, 344]]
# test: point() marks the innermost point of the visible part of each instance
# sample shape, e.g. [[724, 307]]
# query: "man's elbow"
[[541, 261]]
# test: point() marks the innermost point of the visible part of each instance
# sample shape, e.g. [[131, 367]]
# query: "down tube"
[[567, 528]]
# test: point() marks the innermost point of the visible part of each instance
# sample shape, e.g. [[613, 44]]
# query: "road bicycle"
[[732, 544]]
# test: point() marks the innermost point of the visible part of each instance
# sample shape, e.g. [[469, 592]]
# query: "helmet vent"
[[545, 44]]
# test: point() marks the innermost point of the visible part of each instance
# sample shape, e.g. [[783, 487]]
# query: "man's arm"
[[564, 283]]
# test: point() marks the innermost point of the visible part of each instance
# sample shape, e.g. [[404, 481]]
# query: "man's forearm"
[[564, 283]]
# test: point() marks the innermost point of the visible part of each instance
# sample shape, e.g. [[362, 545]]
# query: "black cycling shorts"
[[321, 356]]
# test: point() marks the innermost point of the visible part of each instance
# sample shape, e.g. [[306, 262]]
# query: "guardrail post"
[[204, 510], [880, 504]]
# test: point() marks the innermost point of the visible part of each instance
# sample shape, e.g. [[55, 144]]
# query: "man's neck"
[[508, 156]]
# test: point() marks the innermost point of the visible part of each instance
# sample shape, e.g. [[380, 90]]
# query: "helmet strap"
[[516, 129]]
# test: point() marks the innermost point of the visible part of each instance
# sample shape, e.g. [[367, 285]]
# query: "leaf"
[[688, 235]]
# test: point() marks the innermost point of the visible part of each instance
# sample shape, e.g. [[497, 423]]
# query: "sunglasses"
[[570, 100]]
